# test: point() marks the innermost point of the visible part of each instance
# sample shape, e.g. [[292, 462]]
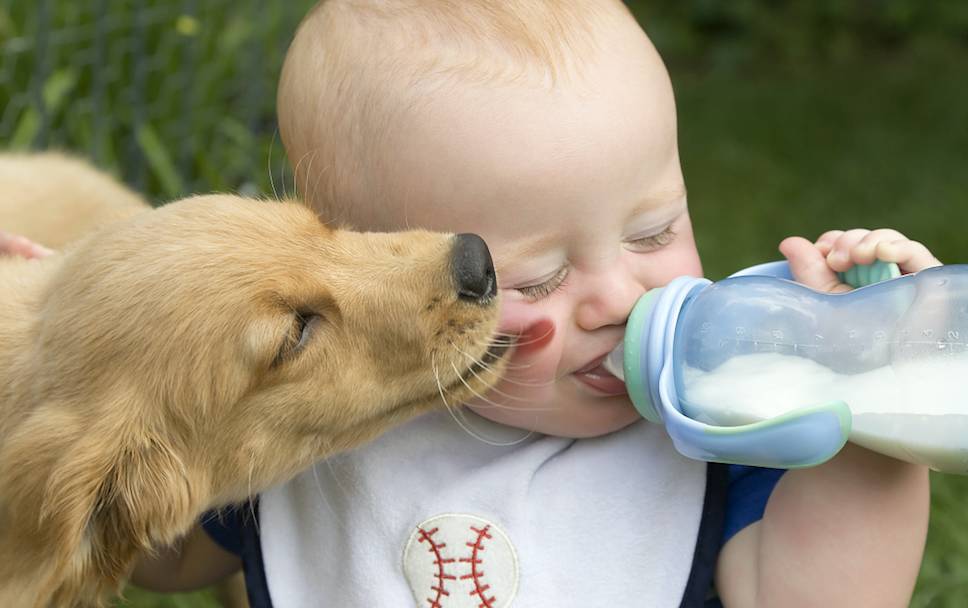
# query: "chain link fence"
[[174, 97]]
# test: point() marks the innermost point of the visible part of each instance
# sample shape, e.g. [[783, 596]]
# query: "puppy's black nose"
[[473, 269]]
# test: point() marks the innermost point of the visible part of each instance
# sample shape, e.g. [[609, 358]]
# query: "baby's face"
[[579, 193]]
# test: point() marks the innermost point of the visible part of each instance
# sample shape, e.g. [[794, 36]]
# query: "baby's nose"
[[608, 300], [472, 269]]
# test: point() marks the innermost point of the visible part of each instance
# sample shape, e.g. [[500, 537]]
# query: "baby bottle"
[[757, 369]]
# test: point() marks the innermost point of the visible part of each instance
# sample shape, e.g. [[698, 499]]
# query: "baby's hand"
[[816, 264], [12, 244]]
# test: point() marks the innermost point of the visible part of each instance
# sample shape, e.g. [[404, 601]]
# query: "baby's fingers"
[[11, 244], [840, 257], [808, 265], [865, 251], [910, 256], [825, 242]]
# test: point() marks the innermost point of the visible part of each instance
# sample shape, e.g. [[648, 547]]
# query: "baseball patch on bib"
[[460, 561]]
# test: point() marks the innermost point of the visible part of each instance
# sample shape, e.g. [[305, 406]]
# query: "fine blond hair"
[[357, 67]]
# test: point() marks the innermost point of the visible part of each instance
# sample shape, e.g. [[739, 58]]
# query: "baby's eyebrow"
[[527, 249], [658, 199], [541, 244]]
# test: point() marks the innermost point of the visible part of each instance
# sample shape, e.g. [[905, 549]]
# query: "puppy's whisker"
[[272, 181], [295, 171], [463, 425], [319, 178], [506, 377], [480, 437], [509, 378], [440, 389], [485, 344], [250, 493], [309, 171], [503, 394], [460, 376], [528, 384], [492, 403], [322, 495], [311, 198], [406, 209], [341, 486], [477, 363], [480, 363], [511, 367], [525, 342]]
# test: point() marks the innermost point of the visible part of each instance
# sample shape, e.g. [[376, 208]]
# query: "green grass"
[[136, 598], [878, 140]]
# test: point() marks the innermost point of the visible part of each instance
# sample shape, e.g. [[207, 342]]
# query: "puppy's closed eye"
[[304, 325]]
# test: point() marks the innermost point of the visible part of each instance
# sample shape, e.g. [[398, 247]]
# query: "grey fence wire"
[[173, 96]]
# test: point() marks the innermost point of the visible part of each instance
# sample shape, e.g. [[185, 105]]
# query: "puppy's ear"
[[136, 494], [97, 494]]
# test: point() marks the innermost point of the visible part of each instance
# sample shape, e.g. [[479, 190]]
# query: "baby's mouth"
[[599, 379]]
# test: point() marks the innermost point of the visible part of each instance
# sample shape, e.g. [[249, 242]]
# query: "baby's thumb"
[[809, 266]]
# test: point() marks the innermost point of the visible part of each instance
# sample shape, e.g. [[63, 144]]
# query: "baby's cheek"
[[680, 259], [525, 398], [535, 338], [533, 366], [538, 351]]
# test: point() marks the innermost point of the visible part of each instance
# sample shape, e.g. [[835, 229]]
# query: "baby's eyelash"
[[656, 241], [541, 290], [546, 288]]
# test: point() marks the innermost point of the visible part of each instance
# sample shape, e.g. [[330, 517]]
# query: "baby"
[[548, 127]]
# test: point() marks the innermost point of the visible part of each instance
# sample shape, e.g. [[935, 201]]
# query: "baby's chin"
[[580, 420]]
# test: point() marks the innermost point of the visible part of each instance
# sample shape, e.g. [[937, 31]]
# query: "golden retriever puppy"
[[55, 199], [189, 356]]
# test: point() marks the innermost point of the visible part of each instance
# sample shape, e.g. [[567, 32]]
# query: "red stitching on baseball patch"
[[477, 547], [440, 562]]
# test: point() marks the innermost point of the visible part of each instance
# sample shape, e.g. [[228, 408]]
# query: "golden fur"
[[56, 199], [156, 368]]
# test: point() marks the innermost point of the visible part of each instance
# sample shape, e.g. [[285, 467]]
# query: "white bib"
[[429, 516]]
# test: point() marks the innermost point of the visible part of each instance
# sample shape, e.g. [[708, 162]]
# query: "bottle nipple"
[[615, 362]]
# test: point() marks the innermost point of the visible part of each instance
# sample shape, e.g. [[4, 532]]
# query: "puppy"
[[184, 358]]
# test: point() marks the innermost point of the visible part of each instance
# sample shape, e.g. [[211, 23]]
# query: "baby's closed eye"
[[545, 287], [645, 243], [651, 242]]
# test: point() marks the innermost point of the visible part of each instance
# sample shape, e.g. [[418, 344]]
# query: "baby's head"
[[546, 126]]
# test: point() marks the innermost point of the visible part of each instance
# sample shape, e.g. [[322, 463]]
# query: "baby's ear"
[[94, 494]]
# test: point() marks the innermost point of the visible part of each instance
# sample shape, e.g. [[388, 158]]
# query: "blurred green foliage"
[[175, 97], [791, 34], [772, 155], [795, 117]]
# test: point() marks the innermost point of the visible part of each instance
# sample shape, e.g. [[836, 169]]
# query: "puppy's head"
[[217, 345]]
